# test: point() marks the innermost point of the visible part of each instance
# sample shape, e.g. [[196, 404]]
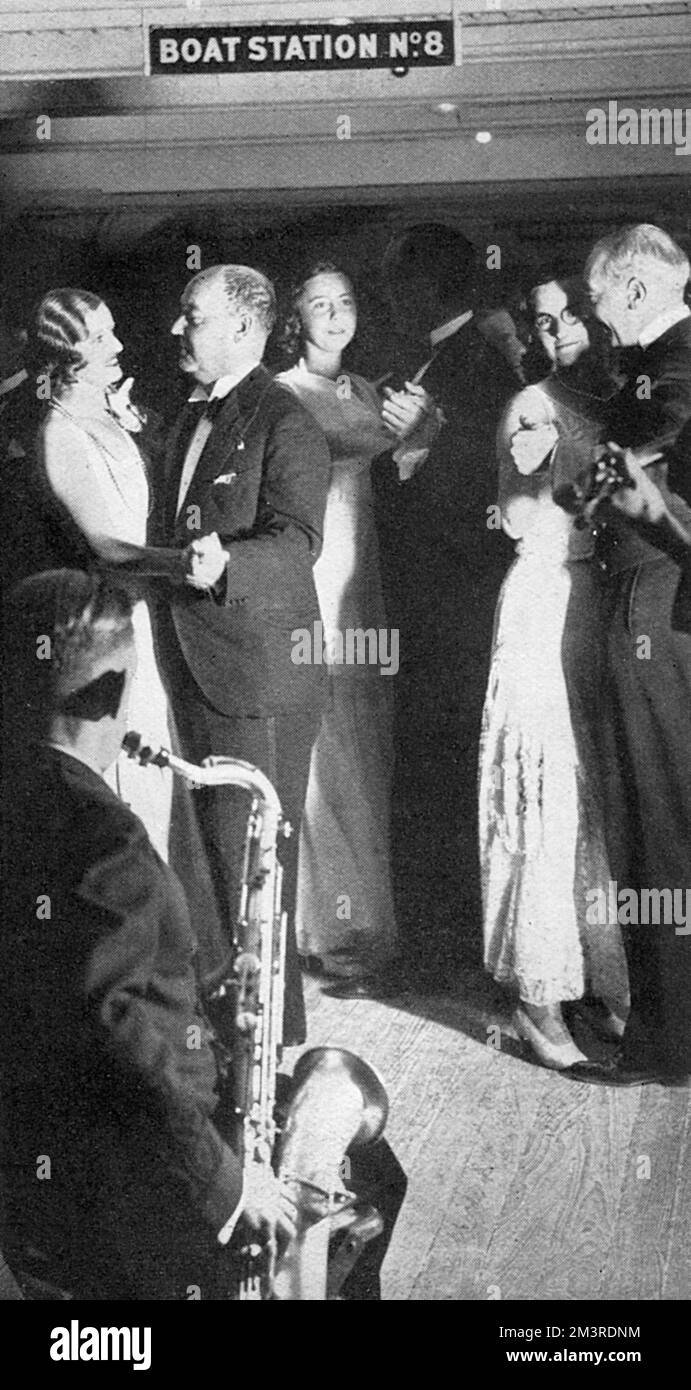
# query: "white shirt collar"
[[11, 382], [79, 757], [222, 387], [661, 323], [445, 330]]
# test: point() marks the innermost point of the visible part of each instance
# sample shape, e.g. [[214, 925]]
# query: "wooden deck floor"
[[522, 1185]]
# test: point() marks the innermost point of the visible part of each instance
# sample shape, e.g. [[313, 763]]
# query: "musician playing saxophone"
[[119, 1180]]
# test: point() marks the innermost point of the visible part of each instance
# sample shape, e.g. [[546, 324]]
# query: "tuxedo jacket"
[[446, 548], [653, 408], [454, 488], [107, 1063], [261, 483]]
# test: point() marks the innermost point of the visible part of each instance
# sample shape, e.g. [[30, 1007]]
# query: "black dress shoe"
[[311, 965], [601, 1020], [588, 1070], [620, 1073], [383, 985]]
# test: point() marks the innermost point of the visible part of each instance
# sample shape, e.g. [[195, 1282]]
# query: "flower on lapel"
[[225, 479]]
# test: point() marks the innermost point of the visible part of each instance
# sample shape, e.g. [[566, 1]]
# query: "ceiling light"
[[483, 137]]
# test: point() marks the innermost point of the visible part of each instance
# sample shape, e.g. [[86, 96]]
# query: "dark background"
[[133, 250]]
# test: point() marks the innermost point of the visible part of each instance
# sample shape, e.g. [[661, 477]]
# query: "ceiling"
[[137, 168]]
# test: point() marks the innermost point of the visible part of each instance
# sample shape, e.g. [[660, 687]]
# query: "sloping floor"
[[522, 1185]]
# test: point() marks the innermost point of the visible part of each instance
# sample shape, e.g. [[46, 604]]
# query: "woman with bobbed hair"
[[345, 912], [61, 321], [91, 483], [91, 477]]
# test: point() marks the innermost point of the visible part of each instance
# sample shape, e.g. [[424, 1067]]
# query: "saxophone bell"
[[337, 1102]]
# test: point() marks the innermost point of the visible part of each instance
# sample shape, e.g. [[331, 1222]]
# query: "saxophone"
[[336, 1101]]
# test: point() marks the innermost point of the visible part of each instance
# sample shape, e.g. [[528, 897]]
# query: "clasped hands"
[[204, 561], [639, 497], [410, 412]]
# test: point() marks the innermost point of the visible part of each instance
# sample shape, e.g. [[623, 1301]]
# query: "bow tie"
[[208, 409], [631, 358]]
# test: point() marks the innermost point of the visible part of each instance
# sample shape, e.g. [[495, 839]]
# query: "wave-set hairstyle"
[[59, 327], [60, 626], [290, 336]]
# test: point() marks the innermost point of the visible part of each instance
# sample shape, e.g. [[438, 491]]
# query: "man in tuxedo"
[[637, 280], [444, 558], [644, 496], [118, 1181], [248, 463], [117, 1126], [645, 503]]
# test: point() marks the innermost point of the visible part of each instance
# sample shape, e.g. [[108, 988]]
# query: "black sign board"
[[225, 48]]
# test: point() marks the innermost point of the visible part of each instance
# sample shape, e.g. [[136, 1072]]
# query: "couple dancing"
[[248, 463], [585, 742], [245, 462]]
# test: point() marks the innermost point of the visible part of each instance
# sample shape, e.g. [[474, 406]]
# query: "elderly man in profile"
[[637, 280], [247, 462]]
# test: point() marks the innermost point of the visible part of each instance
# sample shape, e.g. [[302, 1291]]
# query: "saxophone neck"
[[133, 745], [215, 772]]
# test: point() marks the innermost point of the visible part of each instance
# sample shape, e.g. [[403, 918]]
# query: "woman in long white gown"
[[93, 494], [542, 842], [92, 467], [345, 913]]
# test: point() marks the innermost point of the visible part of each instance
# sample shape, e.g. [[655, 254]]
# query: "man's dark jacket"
[[445, 557], [108, 1066], [261, 483], [652, 409], [646, 720], [451, 553]]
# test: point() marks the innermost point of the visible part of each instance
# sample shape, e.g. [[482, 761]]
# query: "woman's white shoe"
[[558, 1056]]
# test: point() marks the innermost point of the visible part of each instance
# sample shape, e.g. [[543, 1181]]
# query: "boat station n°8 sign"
[[300, 48]]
